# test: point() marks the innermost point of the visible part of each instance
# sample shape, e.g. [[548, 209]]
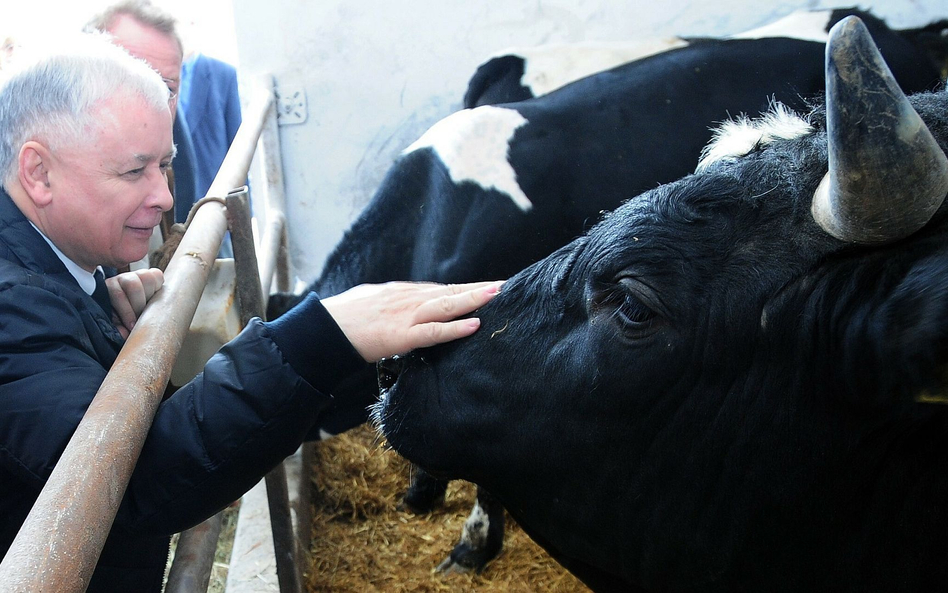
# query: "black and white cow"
[[520, 73], [488, 191], [733, 382]]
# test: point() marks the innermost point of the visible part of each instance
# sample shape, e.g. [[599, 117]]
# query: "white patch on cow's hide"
[[473, 144], [548, 67], [804, 25], [737, 137], [475, 528]]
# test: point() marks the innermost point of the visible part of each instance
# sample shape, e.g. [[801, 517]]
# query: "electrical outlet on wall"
[[291, 105]]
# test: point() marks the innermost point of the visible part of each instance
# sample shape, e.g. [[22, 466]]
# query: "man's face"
[[158, 49], [108, 192]]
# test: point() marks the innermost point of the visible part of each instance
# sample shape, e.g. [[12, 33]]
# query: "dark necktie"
[[101, 293]]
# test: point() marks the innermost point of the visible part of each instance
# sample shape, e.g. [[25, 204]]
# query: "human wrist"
[[314, 345]]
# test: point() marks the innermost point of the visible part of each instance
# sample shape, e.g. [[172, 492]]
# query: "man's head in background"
[[148, 33]]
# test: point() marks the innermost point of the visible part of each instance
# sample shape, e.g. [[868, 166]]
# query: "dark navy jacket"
[[210, 442]]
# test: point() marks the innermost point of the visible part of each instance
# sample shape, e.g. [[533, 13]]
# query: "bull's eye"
[[625, 302], [633, 312]]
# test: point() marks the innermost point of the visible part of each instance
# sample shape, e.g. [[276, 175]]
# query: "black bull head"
[[733, 382]]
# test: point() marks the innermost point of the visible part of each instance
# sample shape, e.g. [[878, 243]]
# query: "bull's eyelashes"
[[627, 303], [633, 314]]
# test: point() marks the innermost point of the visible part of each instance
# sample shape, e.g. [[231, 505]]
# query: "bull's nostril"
[[388, 371]]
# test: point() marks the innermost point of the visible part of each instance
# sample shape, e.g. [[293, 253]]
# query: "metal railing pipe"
[[61, 539], [233, 171], [271, 250]]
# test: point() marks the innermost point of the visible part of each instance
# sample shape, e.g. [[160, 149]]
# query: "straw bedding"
[[363, 542]]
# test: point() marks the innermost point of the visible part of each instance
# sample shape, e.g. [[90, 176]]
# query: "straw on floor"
[[363, 542]]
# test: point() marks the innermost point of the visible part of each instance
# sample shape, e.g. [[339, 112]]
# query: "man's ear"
[[33, 172]]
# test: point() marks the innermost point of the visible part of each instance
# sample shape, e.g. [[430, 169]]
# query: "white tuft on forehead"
[[736, 138]]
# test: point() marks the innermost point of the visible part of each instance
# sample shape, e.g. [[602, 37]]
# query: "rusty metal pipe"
[[233, 171], [59, 544], [194, 557], [249, 298]]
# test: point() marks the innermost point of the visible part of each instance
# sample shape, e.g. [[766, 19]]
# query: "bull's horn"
[[887, 176]]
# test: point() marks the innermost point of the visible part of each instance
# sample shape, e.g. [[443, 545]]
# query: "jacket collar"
[[27, 247], [24, 246]]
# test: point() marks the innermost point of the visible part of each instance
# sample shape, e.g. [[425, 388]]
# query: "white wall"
[[204, 24], [377, 74]]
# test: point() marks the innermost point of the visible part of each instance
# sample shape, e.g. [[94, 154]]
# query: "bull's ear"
[[906, 338], [887, 175]]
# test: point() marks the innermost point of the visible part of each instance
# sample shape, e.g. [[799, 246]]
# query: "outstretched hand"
[[129, 293], [382, 320]]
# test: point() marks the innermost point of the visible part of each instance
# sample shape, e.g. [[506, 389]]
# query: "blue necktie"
[[101, 293]]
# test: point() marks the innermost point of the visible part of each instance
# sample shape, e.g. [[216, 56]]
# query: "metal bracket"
[[290, 105]]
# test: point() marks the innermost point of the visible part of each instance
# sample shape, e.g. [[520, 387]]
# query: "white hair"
[[737, 137], [50, 93]]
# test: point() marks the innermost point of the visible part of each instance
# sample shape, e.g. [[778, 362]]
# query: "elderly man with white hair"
[[85, 144]]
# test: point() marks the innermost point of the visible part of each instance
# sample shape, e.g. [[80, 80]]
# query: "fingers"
[[134, 291], [430, 334], [130, 292], [463, 288], [122, 307], [382, 320], [122, 330], [460, 300], [152, 280]]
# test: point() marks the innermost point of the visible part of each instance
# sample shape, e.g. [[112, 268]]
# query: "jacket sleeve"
[[210, 441], [222, 432]]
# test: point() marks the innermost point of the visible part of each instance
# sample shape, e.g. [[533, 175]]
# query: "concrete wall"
[[375, 75]]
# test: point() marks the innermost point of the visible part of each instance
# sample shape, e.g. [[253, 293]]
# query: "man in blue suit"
[[211, 106], [184, 167]]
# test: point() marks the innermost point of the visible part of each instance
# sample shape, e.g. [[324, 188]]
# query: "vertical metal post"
[[250, 303], [194, 557], [283, 264], [273, 254]]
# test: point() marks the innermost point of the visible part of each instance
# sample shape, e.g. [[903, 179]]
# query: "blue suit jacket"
[[184, 164], [211, 106]]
